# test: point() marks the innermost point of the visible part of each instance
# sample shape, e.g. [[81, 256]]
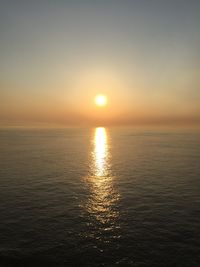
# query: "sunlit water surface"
[[99, 197]]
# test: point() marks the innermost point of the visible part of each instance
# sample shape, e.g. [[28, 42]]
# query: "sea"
[[99, 197]]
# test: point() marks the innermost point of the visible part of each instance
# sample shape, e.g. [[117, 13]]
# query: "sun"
[[100, 100]]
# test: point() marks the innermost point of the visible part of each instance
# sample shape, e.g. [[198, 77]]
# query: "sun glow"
[[100, 100]]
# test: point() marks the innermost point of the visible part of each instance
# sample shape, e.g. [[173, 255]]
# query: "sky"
[[56, 56]]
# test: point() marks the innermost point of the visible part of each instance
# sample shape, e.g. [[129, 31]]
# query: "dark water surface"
[[99, 197]]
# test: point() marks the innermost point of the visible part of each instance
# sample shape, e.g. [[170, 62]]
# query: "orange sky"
[[56, 58]]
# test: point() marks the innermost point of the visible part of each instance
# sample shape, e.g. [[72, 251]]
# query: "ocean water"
[[99, 197]]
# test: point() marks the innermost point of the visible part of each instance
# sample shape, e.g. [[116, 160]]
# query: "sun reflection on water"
[[100, 154], [101, 204]]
